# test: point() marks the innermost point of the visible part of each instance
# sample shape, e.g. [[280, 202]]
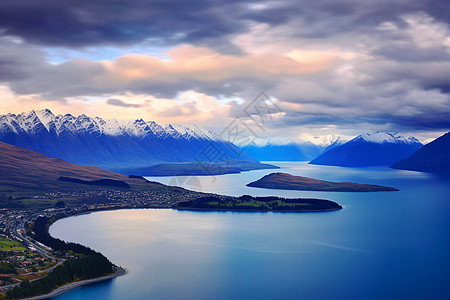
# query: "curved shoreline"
[[74, 285], [255, 210], [120, 271]]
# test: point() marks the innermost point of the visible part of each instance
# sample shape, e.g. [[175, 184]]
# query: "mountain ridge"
[[434, 157], [290, 149], [58, 123], [369, 149], [112, 143]]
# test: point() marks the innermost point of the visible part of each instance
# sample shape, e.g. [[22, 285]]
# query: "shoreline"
[[74, 285], [318, 190], [257, 211], [120, 271]]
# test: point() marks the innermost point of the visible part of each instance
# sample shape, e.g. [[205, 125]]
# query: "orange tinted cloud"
[[203, 64], [189, 107]]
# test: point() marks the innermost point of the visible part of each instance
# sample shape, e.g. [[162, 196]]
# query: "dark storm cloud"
[[79, 23], [75, 23], [440, 9], [413, 111], [74, 78], [410, 53], [443, 87], [118, 102], [18, 61], [430, 119], [320, 19], [435, 120]]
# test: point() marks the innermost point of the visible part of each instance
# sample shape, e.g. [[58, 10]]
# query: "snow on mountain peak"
[[185, 131], [40, 119], [334, 140], [157, 129], [45, 116], [385, 137], [194, 131], [171, 131], [279, 141]]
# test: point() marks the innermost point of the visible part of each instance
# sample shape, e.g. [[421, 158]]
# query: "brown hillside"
[[23, 168]]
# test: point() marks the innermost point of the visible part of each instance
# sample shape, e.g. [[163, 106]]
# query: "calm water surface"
[[385, 245]]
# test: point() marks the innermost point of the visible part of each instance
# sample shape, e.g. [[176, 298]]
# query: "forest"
[[250, 203], [85, 267], [87, 264]]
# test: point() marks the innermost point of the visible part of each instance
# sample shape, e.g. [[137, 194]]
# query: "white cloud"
[[426, 32], [390, 73]]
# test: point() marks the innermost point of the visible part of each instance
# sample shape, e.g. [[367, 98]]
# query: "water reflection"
[[385, 245]]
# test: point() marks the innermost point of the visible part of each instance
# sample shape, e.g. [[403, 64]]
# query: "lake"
[[383, 245]]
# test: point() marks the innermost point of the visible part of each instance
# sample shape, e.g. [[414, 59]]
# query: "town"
[[24, 259]]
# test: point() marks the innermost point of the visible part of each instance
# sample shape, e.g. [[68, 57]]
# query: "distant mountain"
[[208, 169], [433, 157], [379, 148], [289, 149], [23, 168], [330, 142], [112, 144]]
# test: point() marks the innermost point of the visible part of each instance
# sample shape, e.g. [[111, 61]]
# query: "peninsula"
[[258, 204], [285, 181]]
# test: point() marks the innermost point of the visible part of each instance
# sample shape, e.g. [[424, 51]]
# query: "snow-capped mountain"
[[386, 137], [325, 140], [370, 149], [289, 149], [110, 143]]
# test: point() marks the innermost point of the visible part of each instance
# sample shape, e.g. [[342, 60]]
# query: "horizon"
[[331, 68]]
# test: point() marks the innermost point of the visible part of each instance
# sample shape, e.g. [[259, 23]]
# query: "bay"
[[383, 245]]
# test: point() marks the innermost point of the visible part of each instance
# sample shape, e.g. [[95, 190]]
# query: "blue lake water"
[[385, 245]]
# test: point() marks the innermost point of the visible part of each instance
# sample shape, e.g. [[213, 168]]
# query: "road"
[[46, 270], [17, 231], [30, 273]]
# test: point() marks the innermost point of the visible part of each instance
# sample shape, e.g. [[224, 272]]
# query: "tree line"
[[40, 234], [89, 264], [86, 267]]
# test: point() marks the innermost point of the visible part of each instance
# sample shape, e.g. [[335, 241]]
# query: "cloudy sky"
[[332, 67]]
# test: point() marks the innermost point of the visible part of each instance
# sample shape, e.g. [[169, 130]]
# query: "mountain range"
[[433, 157], [113, 144], [289, 149], [370, 149], [127, 146]]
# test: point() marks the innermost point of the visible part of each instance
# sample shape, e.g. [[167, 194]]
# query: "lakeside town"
[[23, 259]]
